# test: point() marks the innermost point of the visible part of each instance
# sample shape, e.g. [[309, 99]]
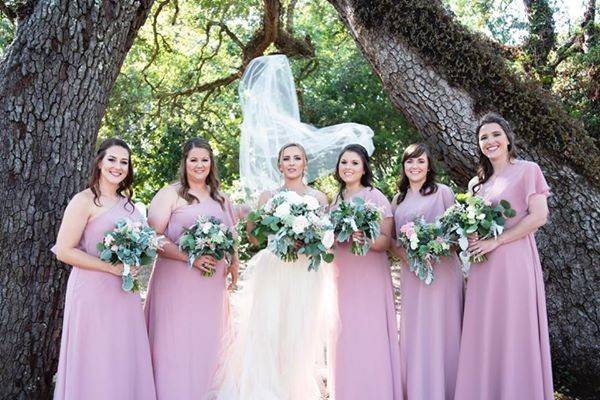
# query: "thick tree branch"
[[271, 32]]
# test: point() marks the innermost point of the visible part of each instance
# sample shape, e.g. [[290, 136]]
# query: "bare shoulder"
[[169, 192], [82, 203], [322, 197]]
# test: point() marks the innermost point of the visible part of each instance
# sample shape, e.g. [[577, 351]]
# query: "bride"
[[276, 343], [278, 313]]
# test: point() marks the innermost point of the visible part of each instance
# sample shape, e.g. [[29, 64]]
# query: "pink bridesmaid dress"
[[364, 349], [505, 350], [104, 351], [431, 315], [187, 313]]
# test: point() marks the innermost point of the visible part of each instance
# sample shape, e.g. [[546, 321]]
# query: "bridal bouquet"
[[353, 216], [424, 243], [131, 243], [474, 215], [288, 218], [207, 237]]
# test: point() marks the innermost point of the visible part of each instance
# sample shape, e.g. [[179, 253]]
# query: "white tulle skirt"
[[275, 349]]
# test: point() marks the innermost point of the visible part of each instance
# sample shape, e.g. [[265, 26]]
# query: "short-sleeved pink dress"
[[505, 350]]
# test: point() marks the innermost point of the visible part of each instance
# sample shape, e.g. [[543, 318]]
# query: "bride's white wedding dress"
[[278, 336], [275, 348]]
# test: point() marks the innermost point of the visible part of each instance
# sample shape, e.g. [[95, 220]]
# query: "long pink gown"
[[505, 349], [104, 351], [431, 316], [186, 313], [365, 353]]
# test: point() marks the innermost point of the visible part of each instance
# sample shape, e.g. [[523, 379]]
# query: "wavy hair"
[[125, 188], [416, 150], [212, 180]]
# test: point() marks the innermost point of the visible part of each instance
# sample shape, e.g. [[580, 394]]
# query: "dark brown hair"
[[416, 150], [484, 167], [124, 189], [366, 179], [212, 180]]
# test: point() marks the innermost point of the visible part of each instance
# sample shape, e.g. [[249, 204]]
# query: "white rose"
[[352, 224], [282, 211], [300, 224], [311, 203], [328, 239], [293, 197], [206, 227]]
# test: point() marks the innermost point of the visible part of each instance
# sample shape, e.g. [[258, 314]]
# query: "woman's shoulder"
[[444, 189], [322, 197], [83, 199], [526, 164], [374, 194]]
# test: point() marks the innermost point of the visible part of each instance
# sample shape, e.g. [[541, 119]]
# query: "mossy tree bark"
[[55, 79], [442, 78]]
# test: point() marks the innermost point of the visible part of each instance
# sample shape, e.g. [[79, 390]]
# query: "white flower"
[[219, 238], [328, 239], [314, 218], [282, 210], [352, 223], [108, 240], [293, 197], [325, 221], [300, 224], [206, 227], [114, 247], [481, 216], [414, 243], [311, 203]]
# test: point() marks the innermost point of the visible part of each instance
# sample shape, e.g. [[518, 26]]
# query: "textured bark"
[[446, 114], [55, 79]]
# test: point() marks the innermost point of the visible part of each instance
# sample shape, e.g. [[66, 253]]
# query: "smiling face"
[[416, 168], [493, 142], [114, 166], [351, 168], [292, 163], [197, 165]]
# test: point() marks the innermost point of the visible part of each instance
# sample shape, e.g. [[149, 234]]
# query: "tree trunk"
[[442, 78], [55, 79]]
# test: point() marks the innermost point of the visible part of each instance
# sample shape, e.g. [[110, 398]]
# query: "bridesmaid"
[[186, 311], [364, 346], [430, 321], [505, 351], [104, 352]]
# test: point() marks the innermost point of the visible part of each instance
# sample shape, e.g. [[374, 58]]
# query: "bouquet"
[[353, 216], [289, 217], [424, 243], [131, 243], [207, 237], [474, 215]]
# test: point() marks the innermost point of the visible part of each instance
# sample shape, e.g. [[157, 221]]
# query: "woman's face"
[[493, 142], [197, 165], [351, 168], [292, 163], [114, 166], [416, 168]]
